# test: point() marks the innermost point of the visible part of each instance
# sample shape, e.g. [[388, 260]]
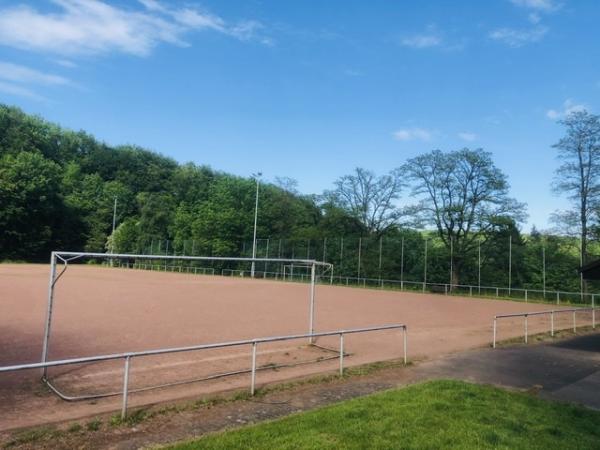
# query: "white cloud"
[[518, 38], [466, 136], [65, 63], [93, 26], [569, 106], [421, 41], [20, 91], [21, 74], [534, 18], [429, 38], [413, 134], [540, 5]]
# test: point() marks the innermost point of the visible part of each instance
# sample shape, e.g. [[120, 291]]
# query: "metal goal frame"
[[65, 257]]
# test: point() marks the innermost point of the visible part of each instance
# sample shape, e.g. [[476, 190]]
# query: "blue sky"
[[311, 89]]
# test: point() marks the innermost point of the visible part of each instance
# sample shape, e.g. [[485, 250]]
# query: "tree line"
[[58, 189]]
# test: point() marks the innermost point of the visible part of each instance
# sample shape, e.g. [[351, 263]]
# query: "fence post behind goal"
[[49, 310], [312, 302]]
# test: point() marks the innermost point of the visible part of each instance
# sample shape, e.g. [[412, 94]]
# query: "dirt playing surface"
[[102, 310]]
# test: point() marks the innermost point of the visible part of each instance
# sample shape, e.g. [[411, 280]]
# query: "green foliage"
[[31, 210], [58, 188], [436, 414]]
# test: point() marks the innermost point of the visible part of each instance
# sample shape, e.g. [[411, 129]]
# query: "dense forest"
[[58, 190]]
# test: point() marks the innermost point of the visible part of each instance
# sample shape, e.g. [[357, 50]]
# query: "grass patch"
[[31, 436], [437, 414]]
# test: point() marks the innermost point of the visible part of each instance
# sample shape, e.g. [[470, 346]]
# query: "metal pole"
[[526, 328], [312, 302], [341, 354], [425, 268], [405, 344], [509, 264], [114, 223], [479, 266], [125, 388], [380, 248], [494, 338], [255, 223], [574, 323], [544, 271], [45, 345], [402, 265], [266, 256], [451, 258], [552, 323], [341, 253], [359, 251], [253, 376]]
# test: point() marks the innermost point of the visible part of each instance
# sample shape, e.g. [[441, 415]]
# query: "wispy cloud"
[[569, 106], [431, 37], [413, 134], [20, 91], [466, 136], [21, 81], [539, 5], [93, 26], [518, 38], [21, 74]]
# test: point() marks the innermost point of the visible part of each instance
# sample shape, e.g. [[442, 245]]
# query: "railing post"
[[470, 291], [405, 343], [494, 339], [557, 297], [445, 289], [496, 292], [552, 323], [574, 323], [125, 388], [525, 295], [341, 354], [253, 376], [526, 328]]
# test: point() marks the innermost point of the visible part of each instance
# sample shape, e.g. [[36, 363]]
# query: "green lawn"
[[432, 415]]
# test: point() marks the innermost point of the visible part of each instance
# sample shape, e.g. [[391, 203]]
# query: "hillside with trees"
[[450, 211]]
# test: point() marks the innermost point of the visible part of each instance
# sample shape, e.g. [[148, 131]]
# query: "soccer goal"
[[60, 261]]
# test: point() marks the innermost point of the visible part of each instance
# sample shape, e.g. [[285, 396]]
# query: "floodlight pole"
[[257, 177]]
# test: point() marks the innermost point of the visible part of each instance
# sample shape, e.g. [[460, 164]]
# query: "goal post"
[[65, 257]]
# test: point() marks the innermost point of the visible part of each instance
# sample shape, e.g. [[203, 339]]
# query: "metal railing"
[[127, 357], [552, 312], [528, 295], [446, 288]]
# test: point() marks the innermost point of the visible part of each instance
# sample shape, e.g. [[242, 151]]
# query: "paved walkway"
[[567, 370]]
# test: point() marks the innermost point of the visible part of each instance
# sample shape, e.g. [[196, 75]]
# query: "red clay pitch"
[[101, 310]]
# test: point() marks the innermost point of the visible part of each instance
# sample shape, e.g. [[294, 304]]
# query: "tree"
[[578, 177], [31, 205], [463, 194], [368, 198]]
